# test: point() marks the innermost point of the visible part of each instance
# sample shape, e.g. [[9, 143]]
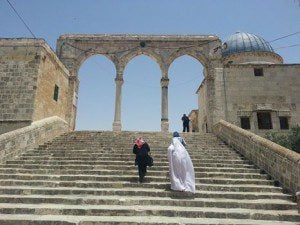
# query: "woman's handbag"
[[149, 161]]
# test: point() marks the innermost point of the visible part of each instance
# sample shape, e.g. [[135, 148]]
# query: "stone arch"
[[183, 88], [96, 76], [141, 83], [196, 54], [81, 58], [73, 49], [124, 60]]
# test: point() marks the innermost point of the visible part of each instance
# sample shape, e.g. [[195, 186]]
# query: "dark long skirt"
[[142, 166]]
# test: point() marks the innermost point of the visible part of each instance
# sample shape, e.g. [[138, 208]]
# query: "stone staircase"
[[89, 178]]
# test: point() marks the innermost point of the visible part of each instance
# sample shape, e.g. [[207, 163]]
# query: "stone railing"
[[281, 163], [15, 142]]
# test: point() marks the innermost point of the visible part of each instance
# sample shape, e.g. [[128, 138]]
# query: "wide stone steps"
[[124, 220], [111, 145], [126, 152], [124, 171], [118, 167], [120, 177], [272, 204], [93, 161], [89, 178], [137, 210], [150, 192], [125, 157], [160, 185]]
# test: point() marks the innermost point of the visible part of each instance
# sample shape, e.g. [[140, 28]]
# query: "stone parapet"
[[15, 142], [281, 163]]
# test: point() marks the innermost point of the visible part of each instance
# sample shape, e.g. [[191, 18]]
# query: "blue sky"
[[141, 97]]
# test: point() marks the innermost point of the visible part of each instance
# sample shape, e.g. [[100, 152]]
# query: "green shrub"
[[290, 140]]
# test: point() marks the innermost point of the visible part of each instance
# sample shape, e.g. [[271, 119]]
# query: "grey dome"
[[245, 42]]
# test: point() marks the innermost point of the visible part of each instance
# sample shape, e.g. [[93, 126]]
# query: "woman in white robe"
[[181, 168]]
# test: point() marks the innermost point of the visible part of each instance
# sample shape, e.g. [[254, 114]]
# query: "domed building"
[[244, 48], [261, 93]]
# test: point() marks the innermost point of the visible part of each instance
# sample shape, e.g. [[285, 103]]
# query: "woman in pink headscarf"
[[141, 149]]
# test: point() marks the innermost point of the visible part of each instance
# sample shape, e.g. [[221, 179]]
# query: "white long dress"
[[181, 168]]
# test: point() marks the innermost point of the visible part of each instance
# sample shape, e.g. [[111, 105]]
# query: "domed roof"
[[245, 42]]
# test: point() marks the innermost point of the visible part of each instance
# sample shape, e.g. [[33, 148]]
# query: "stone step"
[[127, 142], [150, 192], [131, 158], [130, 140], [123, 156], [22, 219], [198, 171], [128, 210], [114, 150], [117, 167], [120, 177], [234, 181], [132, 136], [124, 153], [167, 201], [120, 162], [160, 185]]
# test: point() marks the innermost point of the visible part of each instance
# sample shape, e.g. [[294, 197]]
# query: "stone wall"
[[6, 126], [28, 71], [15, 142], [51, 72], [281, 163], [18, 77], [254, 57], [277, 91]]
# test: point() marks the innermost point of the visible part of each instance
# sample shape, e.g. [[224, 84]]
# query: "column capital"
[[164, 82], [119, 80]]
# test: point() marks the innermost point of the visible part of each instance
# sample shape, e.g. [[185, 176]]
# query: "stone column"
[[117, 119], [164, 105], [216, 95], [72, 101]]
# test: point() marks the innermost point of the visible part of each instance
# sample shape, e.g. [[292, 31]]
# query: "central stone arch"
[[120, 49]]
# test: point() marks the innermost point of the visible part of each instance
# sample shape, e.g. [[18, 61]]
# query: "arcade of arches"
[[72, 50]]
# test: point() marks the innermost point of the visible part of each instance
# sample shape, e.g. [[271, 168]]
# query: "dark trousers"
[[142, 171], [186, 127]]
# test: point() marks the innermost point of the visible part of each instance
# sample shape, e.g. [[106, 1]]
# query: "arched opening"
[[186, 75], [96, 94], [141, 97]]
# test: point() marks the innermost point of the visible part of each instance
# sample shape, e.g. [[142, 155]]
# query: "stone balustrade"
[[15, 142], [281, 163]]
